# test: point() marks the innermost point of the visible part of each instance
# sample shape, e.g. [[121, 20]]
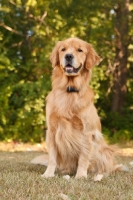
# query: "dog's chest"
[[66, 104], [68, 136]]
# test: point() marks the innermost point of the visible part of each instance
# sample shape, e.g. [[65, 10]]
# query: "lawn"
[[20, 180]]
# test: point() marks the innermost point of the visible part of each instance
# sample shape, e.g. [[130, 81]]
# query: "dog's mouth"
[[69, 69]]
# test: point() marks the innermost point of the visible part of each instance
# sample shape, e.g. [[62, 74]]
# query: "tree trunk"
[[121, 58]]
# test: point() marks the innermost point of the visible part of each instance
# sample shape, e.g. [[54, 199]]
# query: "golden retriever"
[[74, 139]]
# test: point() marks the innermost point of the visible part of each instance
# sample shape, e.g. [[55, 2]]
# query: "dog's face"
[[72, 55]]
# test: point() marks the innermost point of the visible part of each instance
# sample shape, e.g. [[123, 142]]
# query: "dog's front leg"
[[83, 164], [51, 164], [84, 158]]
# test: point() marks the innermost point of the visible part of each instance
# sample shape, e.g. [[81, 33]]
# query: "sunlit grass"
[[20, 180]]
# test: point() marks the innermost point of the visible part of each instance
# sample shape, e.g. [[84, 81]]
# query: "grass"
[[20, 180]]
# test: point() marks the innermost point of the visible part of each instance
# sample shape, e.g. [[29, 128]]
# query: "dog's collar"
[[72, 89]]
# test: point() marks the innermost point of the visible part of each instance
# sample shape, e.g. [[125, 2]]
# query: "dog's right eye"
[[80, 50], [63, 49]]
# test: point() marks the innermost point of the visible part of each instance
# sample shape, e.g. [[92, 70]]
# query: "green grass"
[[20, 180]]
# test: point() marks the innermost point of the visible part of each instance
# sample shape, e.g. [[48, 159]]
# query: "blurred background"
[[29, 29]]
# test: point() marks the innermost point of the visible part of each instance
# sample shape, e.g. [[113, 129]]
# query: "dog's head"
[[73, 55]]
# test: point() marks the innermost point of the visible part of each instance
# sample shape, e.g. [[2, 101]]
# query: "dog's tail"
[[118, 167], [111, 152], [40, 160], [121, 167], [105, 155]]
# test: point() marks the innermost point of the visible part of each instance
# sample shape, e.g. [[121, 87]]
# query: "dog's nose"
[[69, 57]]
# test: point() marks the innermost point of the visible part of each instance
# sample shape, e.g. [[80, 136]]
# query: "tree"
[[24, 78], [122, 41], [28, 32]]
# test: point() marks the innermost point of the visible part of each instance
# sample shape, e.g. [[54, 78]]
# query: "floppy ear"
[[92, 58], [54, 57]]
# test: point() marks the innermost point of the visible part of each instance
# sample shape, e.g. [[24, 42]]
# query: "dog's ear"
[[54, 57], [92, 57]]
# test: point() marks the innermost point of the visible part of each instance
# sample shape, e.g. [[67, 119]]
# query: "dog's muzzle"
[[69, 69]]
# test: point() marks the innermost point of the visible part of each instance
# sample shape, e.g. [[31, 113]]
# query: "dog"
[[74, 138]]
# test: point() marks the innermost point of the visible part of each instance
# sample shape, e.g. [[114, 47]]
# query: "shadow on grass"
[[20, 162]]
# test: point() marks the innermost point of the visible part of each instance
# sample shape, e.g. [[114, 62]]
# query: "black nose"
[[69, 57]]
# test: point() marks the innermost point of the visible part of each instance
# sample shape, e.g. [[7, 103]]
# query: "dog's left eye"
[[80, 50], [63, 49]]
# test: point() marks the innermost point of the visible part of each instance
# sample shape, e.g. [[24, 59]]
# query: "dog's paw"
[[46, 175], [81, 173], [67, 177], [78, 176]]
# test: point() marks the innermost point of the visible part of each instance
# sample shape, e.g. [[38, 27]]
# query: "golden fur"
[[74, 139]]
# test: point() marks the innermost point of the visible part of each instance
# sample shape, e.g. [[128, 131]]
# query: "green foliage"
[[26, 118], [118, 128], [28, 32]]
